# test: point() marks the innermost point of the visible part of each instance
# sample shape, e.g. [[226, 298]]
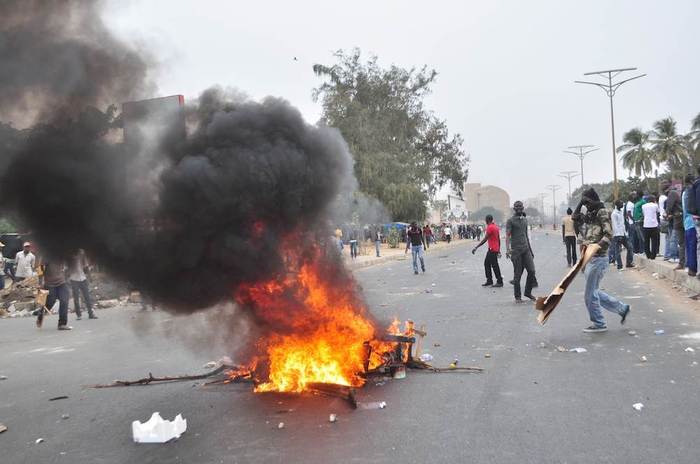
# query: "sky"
[[505, 68]]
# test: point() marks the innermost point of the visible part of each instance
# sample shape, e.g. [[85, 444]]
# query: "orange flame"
[[318, 329]]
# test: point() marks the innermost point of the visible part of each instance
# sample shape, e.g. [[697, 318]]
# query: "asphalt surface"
[[533, 404]]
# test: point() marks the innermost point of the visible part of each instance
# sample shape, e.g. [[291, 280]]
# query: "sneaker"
[[498, 284], [691, 274], [530, 297], [679, 268], [65, 327], [518, 299], [92, 316], [487, 284], [595, 329], [629, 266], [624, 315], [78, 318], [415, 272]]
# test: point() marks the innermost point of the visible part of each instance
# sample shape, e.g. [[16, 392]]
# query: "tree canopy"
[[403, 153], [480, 214]]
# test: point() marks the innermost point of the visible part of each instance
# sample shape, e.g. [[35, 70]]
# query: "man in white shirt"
[[619, 239], [79, 284], [448, 233], [651, 212], [25, 262]]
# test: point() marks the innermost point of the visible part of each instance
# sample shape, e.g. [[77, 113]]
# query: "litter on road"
[[690, 350], [372, 405], [157, 429], [333, 418], [638, 406], [578, 350], [659, 332]]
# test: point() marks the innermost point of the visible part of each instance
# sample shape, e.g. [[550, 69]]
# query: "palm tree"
[[693, 139], [669, 146], [636, 155]]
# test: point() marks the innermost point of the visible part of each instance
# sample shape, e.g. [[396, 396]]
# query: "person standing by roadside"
[[568, 234], [55, 283], [339, 237], [2, 267], [638, 217], [377, 237], [619, 239], [448, 233], [416, 242], [691, 236], [664, 225], [519, 251], [676, 232], [493, 237], [629, 224], [353, 242], [598, 232], [25, 262], [651, 212], [79, 283], [428, 235]]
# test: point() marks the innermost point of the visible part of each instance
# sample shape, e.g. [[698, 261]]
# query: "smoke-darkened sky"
[[506, 67]]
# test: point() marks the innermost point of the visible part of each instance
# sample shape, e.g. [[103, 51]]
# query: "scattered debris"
[[659, 332], [3, 427], [3, 377], [107, 303], [487, 355], [56, 398], [690, 350], [400, 372], [427, 290], [659, 310], [210, 365], [578, 350], [333, 418], [280, 425], [157, 429], [372, 405], [436, 345], [454, 363], [39, 440], [632, 332], [65, 416], [150, 379], [561, 349], [643, 358], [638, 406], [655, 275], [543, 345], [426, 357], [433, 284]]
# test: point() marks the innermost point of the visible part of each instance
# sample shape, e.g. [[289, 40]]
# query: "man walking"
[[519, 251], [493, 237], [598, 232], [416, 241], [568, 233], [55, 283], [676, 231], [448, 233], [428, 235], [619, 238], [25, 262], [79, 284]]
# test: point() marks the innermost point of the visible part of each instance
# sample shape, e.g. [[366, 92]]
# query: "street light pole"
[[568, 175], [581, 151], [610, 88], [542, 195], [554, 189]]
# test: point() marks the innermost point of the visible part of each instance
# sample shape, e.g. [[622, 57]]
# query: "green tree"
[[480, 214], [636, 154], [669, 147], [693, 140], [402, 152]]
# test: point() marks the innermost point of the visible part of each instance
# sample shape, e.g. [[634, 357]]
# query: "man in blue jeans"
[[598, 232], [416, 241]]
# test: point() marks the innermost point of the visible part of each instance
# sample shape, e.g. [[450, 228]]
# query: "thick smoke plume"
[[186, 221]]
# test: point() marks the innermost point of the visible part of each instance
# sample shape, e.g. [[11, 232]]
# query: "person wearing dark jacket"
[[55, 283], [673, 211], [598, 232], [416, 242]]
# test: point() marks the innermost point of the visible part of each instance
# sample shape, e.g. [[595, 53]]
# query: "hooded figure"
[[598, 232]]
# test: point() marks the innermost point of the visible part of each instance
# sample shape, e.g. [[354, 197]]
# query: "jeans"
[[61, 294], [638, 238], [691, 251], [377, 246], [594, 297], [448, 238], [353, 249], [522, 260], [491, 262], [417, 253], [81, 286], [680, 245], [671, 248], [618, 243], [571, 257], [651, 242]]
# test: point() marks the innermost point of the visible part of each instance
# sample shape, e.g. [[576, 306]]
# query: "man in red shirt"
[[493, 237]]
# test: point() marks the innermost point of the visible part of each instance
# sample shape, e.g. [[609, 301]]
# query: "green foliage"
[[605, 191], [636, 155], [393, 238], [7, 226], [532, 212], [402, 152], [480, 214]]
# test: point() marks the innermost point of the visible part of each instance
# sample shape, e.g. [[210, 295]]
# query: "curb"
[[667, 270], [402, 256]]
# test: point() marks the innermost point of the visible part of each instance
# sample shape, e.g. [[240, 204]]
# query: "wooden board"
[[546, 305]]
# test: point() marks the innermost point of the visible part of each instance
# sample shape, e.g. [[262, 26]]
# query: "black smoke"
[[185, 222]]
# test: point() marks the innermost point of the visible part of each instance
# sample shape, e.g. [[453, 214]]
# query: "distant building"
[[477, 196]]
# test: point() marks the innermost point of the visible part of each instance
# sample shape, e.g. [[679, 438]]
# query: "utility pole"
[[610, 88], [581, 151], [568, 175], [554, 189], [542, 196]]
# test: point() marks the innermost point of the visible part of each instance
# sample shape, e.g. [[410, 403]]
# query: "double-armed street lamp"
[[568, 175], [581, 151]]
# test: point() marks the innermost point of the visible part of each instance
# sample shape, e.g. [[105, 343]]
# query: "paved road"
[[533, 404]]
